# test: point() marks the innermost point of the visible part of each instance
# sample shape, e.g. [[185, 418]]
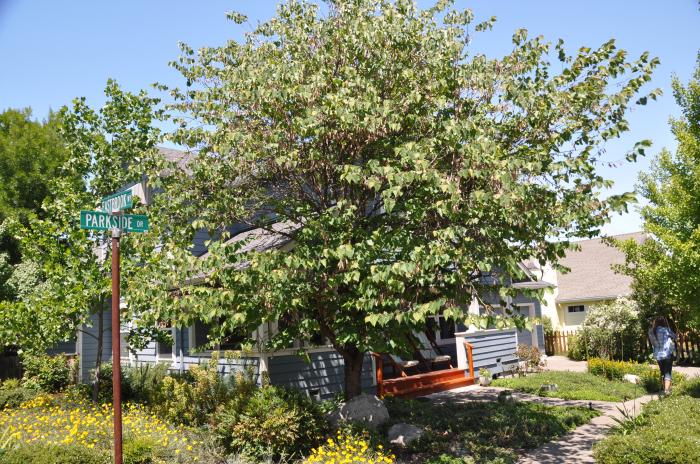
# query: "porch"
[[489, 349]]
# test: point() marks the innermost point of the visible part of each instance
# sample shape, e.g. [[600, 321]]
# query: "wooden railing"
[[379, 372], [470, 358]]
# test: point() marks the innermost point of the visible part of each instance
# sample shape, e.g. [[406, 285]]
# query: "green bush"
[[666, 433], [270, 422], [649, 375], [577, 349], [13, 397], [615, 370], [651, 379], [54, 454], [142, 450], [47, 373], [191, 399], [611, 331], [142, 383]]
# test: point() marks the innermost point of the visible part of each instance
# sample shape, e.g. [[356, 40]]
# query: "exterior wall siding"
[[320, 376], [494, 349], [87, 345]]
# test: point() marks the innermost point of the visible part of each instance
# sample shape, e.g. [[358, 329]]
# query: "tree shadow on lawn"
[[487, 431]]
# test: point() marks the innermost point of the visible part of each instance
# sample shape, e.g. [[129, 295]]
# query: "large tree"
[[31, 156], [666, 268], [408, 174]]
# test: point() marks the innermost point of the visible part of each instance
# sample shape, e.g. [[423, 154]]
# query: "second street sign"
[[97, 220], [117, 202]]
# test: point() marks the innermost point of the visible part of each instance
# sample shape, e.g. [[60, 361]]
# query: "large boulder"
[[403, 434], [367, 409]]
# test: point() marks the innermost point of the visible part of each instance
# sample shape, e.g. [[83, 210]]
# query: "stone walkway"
[[576, 446]]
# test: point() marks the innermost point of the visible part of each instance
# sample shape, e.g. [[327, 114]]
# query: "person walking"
[[663, 340]]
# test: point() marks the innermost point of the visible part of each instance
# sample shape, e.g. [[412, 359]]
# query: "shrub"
[[191, 399], [614, 370], [13, 397], [348, 449], [577, 348], [142, 383], [47, 373], [667, 433], [651, 379], [611, 331], [530, 355], [649, 375], [142, 450], [54, 454], [270, 422]]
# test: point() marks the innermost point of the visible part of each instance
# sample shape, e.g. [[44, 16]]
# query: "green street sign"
[[117, 202], [97, 220]]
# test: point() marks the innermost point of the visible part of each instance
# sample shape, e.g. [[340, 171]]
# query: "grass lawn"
[[488, 432], [574, 386], [667, 431]]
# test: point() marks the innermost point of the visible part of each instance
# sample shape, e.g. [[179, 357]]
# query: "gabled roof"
[[591, 276]]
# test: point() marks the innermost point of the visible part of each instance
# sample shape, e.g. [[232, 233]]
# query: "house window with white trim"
[[576, 309]]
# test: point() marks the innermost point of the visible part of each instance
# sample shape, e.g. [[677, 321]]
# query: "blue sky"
[[52, 51]]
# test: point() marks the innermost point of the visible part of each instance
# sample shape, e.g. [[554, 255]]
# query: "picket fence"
[[688, 345]]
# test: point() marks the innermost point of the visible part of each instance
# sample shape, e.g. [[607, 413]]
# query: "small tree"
[[408, 175], [665, 266], [106, 148]]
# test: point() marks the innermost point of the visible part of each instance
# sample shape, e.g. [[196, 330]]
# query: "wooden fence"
[[688, 345], [557, 342], [10, 367]]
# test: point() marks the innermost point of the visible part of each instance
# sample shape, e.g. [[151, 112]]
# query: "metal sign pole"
[[116, 349]]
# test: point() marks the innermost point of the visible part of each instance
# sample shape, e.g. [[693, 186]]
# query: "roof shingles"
[[591, 276]]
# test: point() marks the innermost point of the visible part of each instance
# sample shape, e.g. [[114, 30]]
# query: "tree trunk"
[[353, 371], [98, 357]]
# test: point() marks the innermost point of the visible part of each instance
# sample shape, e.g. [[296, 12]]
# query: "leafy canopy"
[[105, 150], [665, 267], [408, 174]]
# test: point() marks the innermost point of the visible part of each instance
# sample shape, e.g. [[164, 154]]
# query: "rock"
[[364, 408], [549, 387], [403, 434], [631, 378], [506, 396]]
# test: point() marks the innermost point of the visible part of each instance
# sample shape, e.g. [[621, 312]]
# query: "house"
[[591, 280], [319, 371]]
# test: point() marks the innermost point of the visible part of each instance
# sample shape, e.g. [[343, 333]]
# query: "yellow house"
[[591, 280]]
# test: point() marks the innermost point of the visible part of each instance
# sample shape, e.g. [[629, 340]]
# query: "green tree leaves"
[[665, 267], [409, 170]]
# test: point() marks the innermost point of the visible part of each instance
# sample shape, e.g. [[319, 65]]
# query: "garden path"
[[576, 446]]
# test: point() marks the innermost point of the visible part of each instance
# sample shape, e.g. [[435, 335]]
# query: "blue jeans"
[[665, 366]]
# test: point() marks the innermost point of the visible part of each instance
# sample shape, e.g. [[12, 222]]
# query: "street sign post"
[[111, 218]]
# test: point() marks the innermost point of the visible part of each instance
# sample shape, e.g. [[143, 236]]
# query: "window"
[[576, 309], [164, 348], [442, 328], [200, 338]]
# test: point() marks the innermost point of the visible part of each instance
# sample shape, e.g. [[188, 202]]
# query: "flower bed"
[[57, 421]]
